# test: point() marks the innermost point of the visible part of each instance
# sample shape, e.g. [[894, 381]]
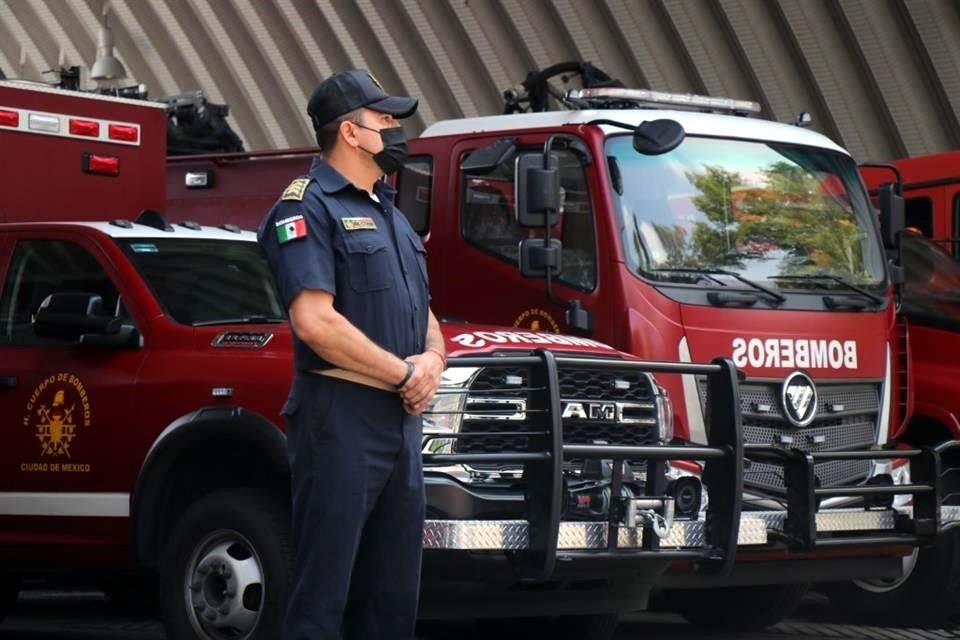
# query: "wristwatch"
[[410, 369]]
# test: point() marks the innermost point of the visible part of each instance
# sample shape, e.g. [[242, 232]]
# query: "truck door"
[[922, 209], [952, 218], [67, 407], [486, 245]]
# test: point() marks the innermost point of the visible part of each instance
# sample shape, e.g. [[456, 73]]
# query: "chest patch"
[[358, 224]]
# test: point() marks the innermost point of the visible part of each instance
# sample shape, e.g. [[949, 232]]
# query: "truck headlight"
[[664, 413], [900, 471], [444, 413]]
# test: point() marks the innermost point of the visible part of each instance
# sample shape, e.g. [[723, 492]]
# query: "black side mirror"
[[69, 316], [537, 259], [537, 192], [892, 217], [654, 137]]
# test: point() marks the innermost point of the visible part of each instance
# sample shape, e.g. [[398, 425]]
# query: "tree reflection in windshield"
[[759, 209]]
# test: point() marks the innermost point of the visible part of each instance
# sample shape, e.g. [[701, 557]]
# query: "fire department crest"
[[536, 320], [55, 411]]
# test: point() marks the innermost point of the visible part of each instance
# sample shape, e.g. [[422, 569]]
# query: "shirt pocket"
[[421, 255], [368, 263]]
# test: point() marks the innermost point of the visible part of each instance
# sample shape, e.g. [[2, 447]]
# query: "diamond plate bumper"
[[833, 520], [949, 516], [491, 535]]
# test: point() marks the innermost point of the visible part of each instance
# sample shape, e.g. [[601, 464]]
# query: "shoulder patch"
[[296, 189], [292, 228]]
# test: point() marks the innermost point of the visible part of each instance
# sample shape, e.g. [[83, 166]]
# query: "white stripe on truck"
[[76, 505]]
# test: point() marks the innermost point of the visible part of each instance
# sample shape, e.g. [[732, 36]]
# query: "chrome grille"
[[580, 384], [846, 420]]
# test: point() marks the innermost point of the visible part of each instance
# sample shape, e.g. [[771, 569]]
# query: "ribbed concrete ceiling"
[[882, 77]]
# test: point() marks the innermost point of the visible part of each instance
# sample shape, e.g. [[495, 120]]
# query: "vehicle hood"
[[464, 339]]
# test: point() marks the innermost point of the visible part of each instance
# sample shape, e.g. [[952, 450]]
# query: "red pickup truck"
[[143, 366]]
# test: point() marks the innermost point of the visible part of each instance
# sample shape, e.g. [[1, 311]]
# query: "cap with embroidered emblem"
[[346, 91]]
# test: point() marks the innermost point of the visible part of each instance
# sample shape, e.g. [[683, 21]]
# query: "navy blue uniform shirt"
[[326, 234]]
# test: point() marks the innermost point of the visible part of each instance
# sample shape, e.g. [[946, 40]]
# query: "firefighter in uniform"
[[368, 355]]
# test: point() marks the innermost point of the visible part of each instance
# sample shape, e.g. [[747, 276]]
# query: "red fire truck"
[[927, 592], [931, 190], [555, 481], [143, 365], [677, 227]]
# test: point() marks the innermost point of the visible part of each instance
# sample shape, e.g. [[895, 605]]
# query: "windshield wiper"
[[251, 319], [849, 286], [708, 272]]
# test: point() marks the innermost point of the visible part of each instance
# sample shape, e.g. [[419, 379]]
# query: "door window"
[[918, 214], [488, 221], [42, 267], [414, 191]]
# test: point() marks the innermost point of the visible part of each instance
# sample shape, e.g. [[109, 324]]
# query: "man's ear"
[[348, 133]]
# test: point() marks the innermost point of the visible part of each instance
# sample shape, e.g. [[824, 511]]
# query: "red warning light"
[[87, 128], [101, 165], [9, 118], [123, 132]]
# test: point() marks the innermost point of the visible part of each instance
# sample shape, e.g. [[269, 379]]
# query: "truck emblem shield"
[[242, 339], [799, 398], [56, 410]]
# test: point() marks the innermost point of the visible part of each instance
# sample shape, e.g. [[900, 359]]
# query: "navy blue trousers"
[[357, 512]]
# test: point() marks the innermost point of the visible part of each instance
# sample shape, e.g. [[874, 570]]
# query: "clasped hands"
[[423, 384]]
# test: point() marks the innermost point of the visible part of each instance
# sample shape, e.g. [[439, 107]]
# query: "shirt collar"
[[331, 181], [328, 179]]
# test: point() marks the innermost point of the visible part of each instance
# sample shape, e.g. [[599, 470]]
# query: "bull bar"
[[708, 543], [535, 540]]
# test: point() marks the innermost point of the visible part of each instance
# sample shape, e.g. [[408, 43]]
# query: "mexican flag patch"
[[292, 228]]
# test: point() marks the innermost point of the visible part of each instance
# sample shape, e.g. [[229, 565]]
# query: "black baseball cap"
[[345, 91]]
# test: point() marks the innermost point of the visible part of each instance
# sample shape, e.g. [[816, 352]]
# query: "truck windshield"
[[760, 209], [206, 282]]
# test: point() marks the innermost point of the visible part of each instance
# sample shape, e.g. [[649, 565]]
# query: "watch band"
[[410, 369]]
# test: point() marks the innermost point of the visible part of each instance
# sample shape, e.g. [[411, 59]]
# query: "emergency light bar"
[[66, 126], [646, 96]]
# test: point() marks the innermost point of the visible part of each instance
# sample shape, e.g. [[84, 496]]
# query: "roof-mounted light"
[[658, 98], [65, 125]]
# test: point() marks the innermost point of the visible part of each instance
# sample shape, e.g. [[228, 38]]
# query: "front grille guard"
[[918, 527], [543, 460]]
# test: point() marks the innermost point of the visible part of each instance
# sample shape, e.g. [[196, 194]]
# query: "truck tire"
[[226, 569], [925, 596], [737, 608]]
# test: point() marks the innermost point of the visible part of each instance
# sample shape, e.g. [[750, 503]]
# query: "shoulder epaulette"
[[296, 189]]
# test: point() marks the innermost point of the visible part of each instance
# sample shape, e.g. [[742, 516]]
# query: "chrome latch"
[[647, 511]]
